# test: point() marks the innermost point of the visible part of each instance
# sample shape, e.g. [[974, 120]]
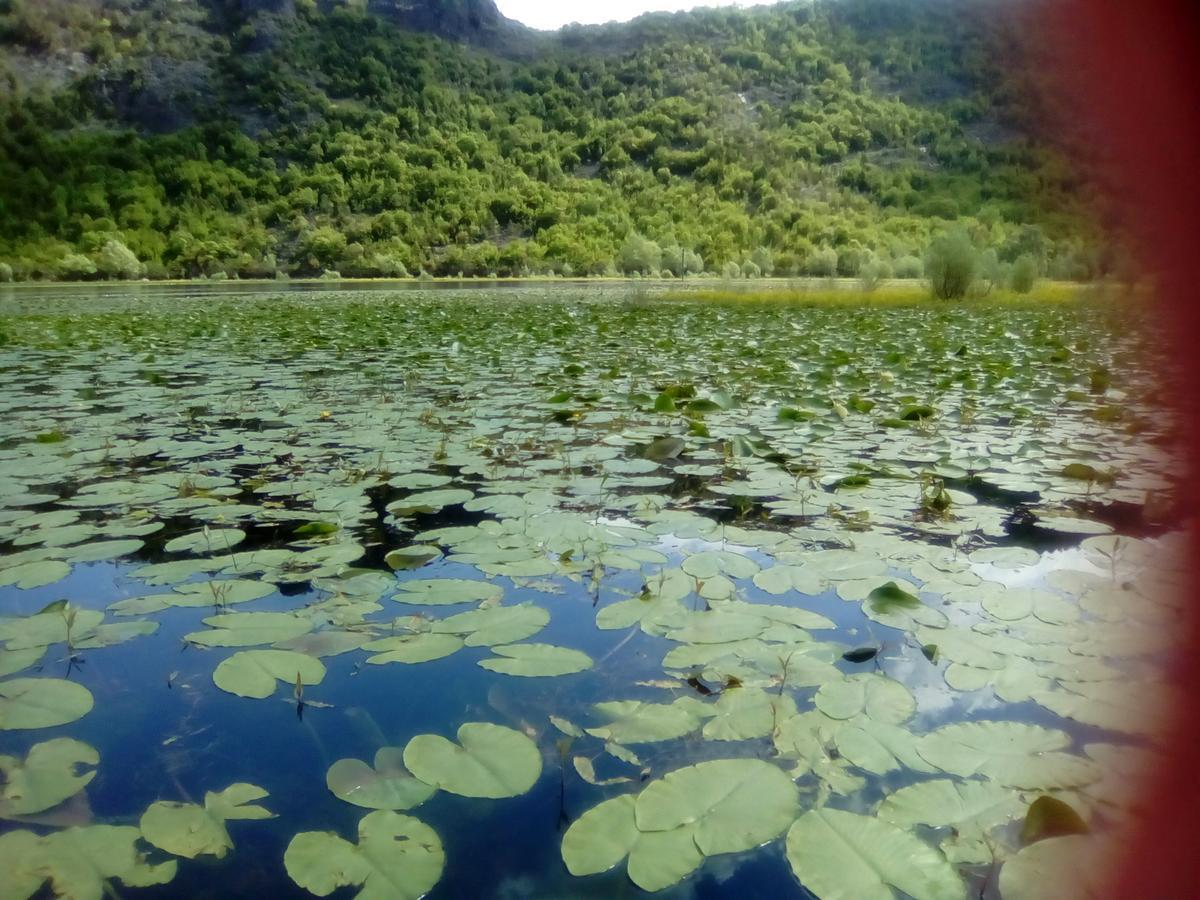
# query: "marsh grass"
[[889, 293]]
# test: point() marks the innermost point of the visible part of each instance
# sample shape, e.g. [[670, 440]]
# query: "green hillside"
[[249, 138]]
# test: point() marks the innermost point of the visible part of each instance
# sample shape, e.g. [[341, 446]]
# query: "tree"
[[321, 248], [75, 267], [950, 265], [765, 260], [908, 267], [115, 260], [823, 263], [1023, 274], [6, 272], [639, 255]]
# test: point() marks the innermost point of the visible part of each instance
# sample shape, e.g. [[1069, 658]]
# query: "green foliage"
[[951, 265], [115, 260], [383, 152], [823, 263], [6, 272], [639, 255], [1023, 274], [908, 267], [74, 267]]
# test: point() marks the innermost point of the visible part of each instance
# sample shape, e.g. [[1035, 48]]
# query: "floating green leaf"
[[843, 856], [190, 830], [387, 786], [77, 862], [488, 761], [49, 774], [536, 660], [397, 857], [42, 702], [254, 673], [734, 804], [1014, 754]]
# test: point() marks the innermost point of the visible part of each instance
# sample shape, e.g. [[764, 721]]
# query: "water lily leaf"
[[249, 629], [412, 557], [636, 722], [660, 859], [429, 501], [1013, 754], [13, 661], [1005, 557], [190, 830], [890, 596], [537, 660], [711, 563], [397, 857], [587, 772], [493, 625], [734, 804], [78, 862], [412, 648], [607, 833], [254, 673], [741, 714], [1049, 817], [448, 591], [225, 592], [664, 448], [718, 626], [52, 626], [488, 761], [112, 634], [206, 540], [42, 702], [879, 697], [969, 808], [781, 579], [38, 573], [1040, 870], [331, 642], [844, 856], [879, 747], [49, 774], [601, 837], [387, 786], [566, 726]]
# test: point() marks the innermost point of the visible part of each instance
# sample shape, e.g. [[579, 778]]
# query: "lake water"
[[869, 547]]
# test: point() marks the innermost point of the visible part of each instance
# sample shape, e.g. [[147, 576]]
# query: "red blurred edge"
[[1131, 70]]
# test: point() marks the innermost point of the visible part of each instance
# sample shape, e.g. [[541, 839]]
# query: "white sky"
[[550, 14]]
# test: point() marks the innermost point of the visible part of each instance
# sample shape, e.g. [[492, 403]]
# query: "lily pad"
[[386, 786], [397, 857], [734, 804], [78, 862], [1013, 754], [254, 673], [50, 773], [488, 761], [412, 648], [42, 702], [536, 660], [190, 830], [840, 855]]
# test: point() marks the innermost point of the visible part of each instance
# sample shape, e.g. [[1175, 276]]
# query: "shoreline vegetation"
[[896, 291]]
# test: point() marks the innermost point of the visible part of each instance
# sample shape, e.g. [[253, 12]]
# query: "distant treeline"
[[840, 139]]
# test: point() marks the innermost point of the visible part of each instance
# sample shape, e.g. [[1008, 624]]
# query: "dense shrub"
[[1023, 274], [908, 267], [950, 265]]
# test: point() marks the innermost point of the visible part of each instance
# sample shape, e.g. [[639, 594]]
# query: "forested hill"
[[243, 138]]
